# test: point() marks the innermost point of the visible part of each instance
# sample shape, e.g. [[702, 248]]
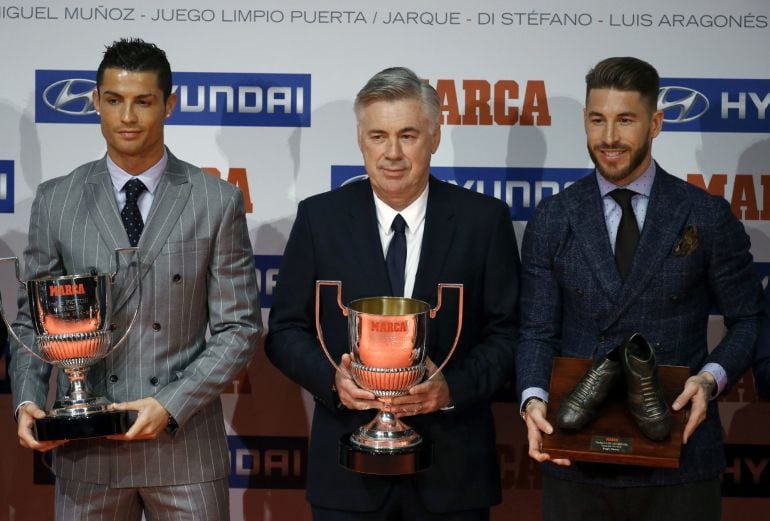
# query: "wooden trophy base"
[[384, 463], [613, 436], [94, 425]]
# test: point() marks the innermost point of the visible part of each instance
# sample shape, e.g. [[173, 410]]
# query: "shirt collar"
[[641, 185], [150, 177], [413, 214]]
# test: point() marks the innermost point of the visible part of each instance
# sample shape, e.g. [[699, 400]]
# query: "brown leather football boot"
[[582, 403], [646, 400]]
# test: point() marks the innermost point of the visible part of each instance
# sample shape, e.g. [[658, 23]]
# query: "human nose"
[[610, 134], [393, 150], [128, 114]]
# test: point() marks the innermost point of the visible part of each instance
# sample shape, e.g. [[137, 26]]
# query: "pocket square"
[[688, 243]]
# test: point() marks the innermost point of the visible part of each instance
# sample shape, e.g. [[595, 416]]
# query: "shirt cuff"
[[719, 374], [532, 392], [16, 411]]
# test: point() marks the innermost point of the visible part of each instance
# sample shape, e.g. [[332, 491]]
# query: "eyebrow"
[[400, 131], [622, 114], [118, 95]]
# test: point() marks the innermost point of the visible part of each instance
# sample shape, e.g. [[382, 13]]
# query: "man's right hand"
[[352, 396], [534, 416], [28, 413]]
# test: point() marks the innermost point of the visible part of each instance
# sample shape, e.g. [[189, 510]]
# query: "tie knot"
[[399, 224], [134, 189], [623, 197]]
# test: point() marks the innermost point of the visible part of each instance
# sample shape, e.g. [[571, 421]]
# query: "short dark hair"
[[626, 74], [136, 55], [398, 83]]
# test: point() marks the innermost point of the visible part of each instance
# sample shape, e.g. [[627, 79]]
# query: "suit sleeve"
[[235, 322], [490, 363], [29, 375], [737, 293], [541, 299], [762, 360], [292, 344]]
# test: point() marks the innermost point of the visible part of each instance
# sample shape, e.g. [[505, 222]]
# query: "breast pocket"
[[192, 247]]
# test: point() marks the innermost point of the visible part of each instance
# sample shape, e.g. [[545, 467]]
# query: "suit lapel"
[[586, 216], [437, 238], [170, 199], [666, 213], [365, 247]]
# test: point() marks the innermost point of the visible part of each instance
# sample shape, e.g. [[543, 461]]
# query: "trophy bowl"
[[387, 338], [71, 319]]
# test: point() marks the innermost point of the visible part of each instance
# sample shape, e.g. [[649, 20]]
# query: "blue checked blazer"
[[693, 257]]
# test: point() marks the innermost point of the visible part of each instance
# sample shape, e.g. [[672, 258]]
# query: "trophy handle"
[[344, 310], [2, 313], [434, 311], [118, 251]]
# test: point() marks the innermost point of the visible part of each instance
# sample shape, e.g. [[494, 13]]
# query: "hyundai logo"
[[71, 96], [681, 104]]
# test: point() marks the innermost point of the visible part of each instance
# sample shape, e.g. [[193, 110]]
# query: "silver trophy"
[[71, 316], [387, 337]]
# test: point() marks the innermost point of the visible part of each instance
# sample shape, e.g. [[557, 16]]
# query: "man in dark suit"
[[453, 236], [692, 256], [762, 362], [199, 320]]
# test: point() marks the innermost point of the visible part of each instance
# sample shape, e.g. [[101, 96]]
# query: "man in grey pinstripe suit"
[[197, 273]]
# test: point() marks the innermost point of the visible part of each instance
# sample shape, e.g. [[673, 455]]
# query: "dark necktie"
[[628, 232], [132, 218], [396, 257]]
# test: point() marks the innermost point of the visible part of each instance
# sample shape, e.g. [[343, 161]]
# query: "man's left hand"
[[151, 421], [426, 397], [697, 391]]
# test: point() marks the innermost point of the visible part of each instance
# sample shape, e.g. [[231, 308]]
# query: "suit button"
[[156, 327], [579, 291], [113, 327], [673, 298], [154, 380], [600, 338], [113, 378], [177, 278]]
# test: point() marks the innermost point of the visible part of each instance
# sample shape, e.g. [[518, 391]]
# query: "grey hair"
[[398, 83]]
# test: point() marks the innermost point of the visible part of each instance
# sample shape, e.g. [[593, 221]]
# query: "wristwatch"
[[171, 425], [528, 403]]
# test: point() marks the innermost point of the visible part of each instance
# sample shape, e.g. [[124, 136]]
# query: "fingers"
[[350, 394], [696, 393], [28, 413], [150, 422]]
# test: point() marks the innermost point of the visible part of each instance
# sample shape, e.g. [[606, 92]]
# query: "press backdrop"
[[266, 90]]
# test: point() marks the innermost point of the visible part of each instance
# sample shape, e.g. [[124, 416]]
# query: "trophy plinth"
[[387, 337], [71, 316], [385, 463], [613, 436]]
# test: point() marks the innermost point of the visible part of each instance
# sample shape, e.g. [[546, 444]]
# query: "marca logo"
[[267, 267], [268, 462], [220, 99], [63, 290], [505, 102], [6, 186], [749, 195], [389, 326], [520, 188], [714, 105]]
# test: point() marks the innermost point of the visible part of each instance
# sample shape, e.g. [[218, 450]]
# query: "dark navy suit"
[[693, 256], [468, 238]]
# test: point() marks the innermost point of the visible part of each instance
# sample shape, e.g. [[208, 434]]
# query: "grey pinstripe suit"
[[197, 272]]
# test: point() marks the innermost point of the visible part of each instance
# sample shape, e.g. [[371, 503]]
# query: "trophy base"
[[396, 462], [94, 425]]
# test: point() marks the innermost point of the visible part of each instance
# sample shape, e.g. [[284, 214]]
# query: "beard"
[[615, 176]]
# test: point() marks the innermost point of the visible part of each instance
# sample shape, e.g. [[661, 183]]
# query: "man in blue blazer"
[[453, 236], [692, 256]]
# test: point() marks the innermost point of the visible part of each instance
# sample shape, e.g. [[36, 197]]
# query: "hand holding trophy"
[[387, 338], [71, 316]]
